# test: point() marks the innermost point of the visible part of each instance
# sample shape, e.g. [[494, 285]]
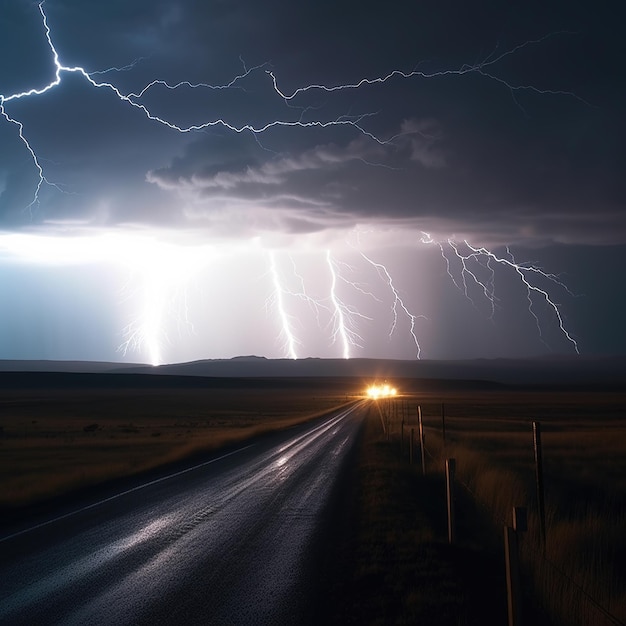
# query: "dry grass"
[[582, 573], [55, 441], [398, 567]]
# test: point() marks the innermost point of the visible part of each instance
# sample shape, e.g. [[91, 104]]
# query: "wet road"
[[234, 540]]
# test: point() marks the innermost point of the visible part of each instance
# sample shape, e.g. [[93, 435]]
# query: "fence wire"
[[540, 554]]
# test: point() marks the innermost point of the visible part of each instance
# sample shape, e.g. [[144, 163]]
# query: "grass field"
[[394, 564], [581, 576], [393, 561], [53, 441]]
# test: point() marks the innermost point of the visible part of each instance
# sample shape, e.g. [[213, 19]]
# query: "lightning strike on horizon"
[[383, 272], [146, 330], [160, 274], [524, 271], [157, 277], [342, 318], [278, 299]]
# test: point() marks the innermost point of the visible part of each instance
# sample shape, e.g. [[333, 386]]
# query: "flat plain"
[[67, 436], [577, 576]]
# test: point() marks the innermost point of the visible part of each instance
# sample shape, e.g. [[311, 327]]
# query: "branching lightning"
[[161, 273], [278, 298], [344, 316], [487, 286], [397, 302], [483, 68], [525, 273], [133, 98]]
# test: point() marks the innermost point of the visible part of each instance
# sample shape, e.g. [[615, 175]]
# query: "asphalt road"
[[234, 540]]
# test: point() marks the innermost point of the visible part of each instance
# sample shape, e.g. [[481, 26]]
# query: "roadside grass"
[[580, 579], [394, 564], [56, 441]]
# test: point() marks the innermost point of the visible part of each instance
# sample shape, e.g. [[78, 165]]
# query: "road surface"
[[234, 540]]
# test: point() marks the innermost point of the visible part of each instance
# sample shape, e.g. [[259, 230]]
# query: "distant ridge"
[[559, 370], [564, 370]]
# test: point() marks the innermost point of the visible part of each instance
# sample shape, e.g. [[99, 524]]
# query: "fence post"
[[511, 559], [421, 431], [512, 577], [541, 507], [450, 468], [411, 446]]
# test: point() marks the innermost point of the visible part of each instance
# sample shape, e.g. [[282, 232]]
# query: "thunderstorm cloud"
[[526, 149], [292, 125]]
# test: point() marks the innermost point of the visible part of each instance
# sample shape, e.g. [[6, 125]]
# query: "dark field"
[[65, 433], [580, 578]]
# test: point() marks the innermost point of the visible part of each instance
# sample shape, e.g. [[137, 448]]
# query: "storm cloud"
[[312, 123]]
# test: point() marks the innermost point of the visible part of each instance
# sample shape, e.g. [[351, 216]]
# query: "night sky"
[[399, 180]]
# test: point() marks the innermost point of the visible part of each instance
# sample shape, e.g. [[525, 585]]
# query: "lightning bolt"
[[133, 100], [477, 263], [278, 298], [302, 294], [343, 318], [147, 330], [487, 286], [484, 68], [163, 272], [526, 274], [398, 302]]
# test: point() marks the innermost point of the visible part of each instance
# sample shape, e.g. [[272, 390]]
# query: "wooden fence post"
[[541, 507], [512, 577], [511, 559], [421, 431], [450, 468]]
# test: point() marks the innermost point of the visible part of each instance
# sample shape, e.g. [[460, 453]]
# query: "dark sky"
[[209, 214]]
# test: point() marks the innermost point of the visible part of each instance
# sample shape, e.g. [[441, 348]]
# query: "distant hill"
[[579, 370], [593, 371]]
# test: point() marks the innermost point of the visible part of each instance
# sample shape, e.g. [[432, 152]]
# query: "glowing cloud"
[[279, 203]]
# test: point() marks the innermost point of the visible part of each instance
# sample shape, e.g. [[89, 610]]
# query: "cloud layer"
[[523, 148]]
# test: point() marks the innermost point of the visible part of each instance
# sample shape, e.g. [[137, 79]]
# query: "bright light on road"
[[381, 391]]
